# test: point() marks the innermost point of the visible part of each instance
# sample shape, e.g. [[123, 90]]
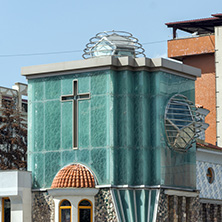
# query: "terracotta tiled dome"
[[75, 175]]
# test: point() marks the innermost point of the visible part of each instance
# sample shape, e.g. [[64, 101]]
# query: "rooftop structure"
[[18, 93], [117, 43], [197, 26]]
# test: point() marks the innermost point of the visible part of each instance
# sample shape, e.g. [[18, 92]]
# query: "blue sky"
[[45, 26]]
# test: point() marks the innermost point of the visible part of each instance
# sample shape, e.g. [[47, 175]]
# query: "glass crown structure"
[[117, 43]]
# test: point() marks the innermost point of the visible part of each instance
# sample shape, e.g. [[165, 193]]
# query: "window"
[[6, 210], [24, 107], [85, 211], [65, 211], [210, 175]]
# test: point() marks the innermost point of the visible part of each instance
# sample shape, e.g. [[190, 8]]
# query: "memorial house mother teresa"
[[110, 137]]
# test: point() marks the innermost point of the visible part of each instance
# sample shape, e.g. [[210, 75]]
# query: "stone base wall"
[[104, 207], [210, 212], [186, 209], [178, 209], [42, 207]]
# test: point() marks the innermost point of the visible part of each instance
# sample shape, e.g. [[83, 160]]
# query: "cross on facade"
[[74, 98]]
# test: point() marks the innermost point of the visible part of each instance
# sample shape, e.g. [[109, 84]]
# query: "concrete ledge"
[[211, 201], [210, 156], [110, 62], [73, 192], [181, 193], [13, 182]]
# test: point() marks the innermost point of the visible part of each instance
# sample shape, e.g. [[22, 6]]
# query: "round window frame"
[[192, 110], [212, 177]]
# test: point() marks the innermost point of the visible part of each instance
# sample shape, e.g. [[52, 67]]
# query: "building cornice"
[[111, 62]]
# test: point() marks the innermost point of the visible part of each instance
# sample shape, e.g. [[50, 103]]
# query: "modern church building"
[[111, 137]]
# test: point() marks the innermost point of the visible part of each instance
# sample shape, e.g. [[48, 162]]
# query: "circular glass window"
[[210, 175], [180, 122]]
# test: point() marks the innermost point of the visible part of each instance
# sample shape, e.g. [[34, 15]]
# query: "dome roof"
[[75, 175]]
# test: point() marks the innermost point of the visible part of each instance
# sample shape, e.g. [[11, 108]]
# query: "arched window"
[[6, 209], [65, 211], [85, 211]]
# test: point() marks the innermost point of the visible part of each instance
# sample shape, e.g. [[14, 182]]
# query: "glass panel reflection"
[[84, 215], [65, 203], [7, 209], [85, 203], [65, 215]]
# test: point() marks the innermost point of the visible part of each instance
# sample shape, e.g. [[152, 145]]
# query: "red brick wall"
[[191, 46]]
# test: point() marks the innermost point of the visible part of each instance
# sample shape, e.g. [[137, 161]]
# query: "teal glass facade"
[[121, 134], [136, 205]]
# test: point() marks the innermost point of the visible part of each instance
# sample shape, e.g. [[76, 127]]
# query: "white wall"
[[218, 67], [74, 195], [17, 186], [205, 159]]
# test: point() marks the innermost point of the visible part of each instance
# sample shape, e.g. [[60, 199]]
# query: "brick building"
[[202, 49]]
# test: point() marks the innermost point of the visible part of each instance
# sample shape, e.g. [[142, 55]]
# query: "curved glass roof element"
[[180, 123], [117, 43]]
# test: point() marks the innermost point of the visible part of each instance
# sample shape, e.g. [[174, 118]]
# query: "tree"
[[13, 137]]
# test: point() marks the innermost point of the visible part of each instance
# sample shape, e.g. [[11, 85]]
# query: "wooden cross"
[[74, 98]]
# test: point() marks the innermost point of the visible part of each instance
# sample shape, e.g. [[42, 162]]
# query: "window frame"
[[85, 207], [64, 207], [175, 126], [210, 175], [3, 208]]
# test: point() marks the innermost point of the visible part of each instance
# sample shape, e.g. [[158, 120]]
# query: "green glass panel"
[[83, 156], [131, 195], [52, 166], [68, 157], [84, 123], [38, 169], [140, 198], [67, 85], [99, 83], [120, 121], [142, 161], [52, 125], [125, 204], [120, 163], [100, 164], [38, 126], [118, 205], [84, 83], [37, 89], [67, 124], [152, 203], [53, 88], [98, 121], [124, 82]]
